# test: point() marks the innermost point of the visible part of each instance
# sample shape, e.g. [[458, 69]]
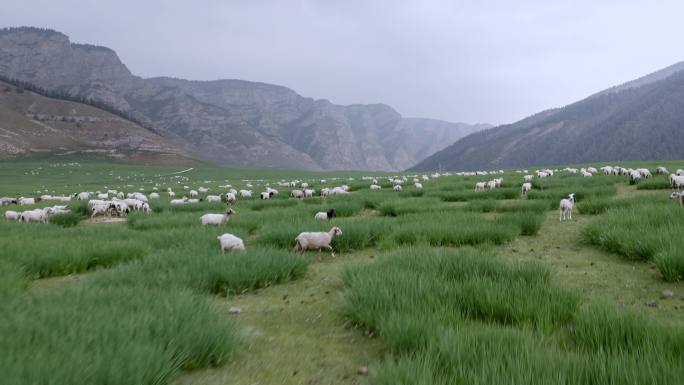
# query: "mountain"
[[33, 124], [639, 120], [228, 121]]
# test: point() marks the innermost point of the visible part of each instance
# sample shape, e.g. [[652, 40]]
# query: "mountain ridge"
[[227, 121]]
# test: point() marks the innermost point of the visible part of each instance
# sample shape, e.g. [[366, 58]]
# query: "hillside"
[[229, 121], [32, 124], [638, 120]]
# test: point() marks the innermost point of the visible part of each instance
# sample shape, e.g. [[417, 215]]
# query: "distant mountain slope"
[[639, 120], [228, 121], [32, 124]]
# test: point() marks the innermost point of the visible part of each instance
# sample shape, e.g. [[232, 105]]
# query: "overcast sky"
[[471, 61]]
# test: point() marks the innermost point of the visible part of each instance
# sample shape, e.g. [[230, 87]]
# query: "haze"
[[453, 60]]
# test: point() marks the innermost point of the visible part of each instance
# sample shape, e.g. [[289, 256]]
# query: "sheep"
[[304, 185], [27, 201], [230, 242], [586, 174], [96, 202], [172, 194], [317, 240], [101, 209], [679, 172], [194, 200], [325, 215], [634, 176], [397, 188], [203, 190], [36, 215], [325, 192], [266, 195], [526, 187], [193, 194], [103, 196], [676, 181], [246, 193], [309, 193], [214, 198], [271, 191], [179, 201], [592, 170], [528, 178], [342, 190], [480, 186], [121, 208], [491, 184], [154, 195], [5, 201], [120, 195], [679, 196], [231, 198], [297, 194], [375, 187], [12, 215], [217, 219], [418, 185], [661, 170], [566, 205], [646, 173]]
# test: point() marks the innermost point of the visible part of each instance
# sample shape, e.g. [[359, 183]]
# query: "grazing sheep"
[[172, 194], [5, 201], [317, 240], [679, 172], [230, 242], [325, 215], [246, 193], [103, 196], [309, 193], [526, 187], [214, 198], [35, 215], [154, 195], [266, 195], [12, 215], [418, 185], [203, 190], [375, 187], [661, 170], [528, 178], [297, 194], [194, 200], [480, 186], [592, 170], [231, 198], [566, 205], [491, 185], [676, 181], [325, 192], [101, 209], [634, 176], [193, 194], [27, 201], [586, 174], [216, 219], [397, 188], [179, 201], [271, 191]]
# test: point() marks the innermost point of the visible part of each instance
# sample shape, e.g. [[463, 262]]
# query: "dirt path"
[[293, 333]]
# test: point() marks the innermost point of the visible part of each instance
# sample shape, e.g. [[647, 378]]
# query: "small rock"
[[666, 294], [362, 370], [652, 303], [234, 310]]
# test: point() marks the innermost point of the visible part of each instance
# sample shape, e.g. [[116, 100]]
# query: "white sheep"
[[491, 184], [12, 215], [100, 209], [418, 185], [528, 178], [325, 215], [297, 194], [213, 198], [102, 196], [526, 187], [26, 201], [480, 186], [194, 194], [397, 188], [661, 170], [231, 198], [566, 205], [316, 240], [679, 196], [154, 195], [179, 201], [35, 215], [230, 242], [309, 193], [203, 190], [216, 219], [676, 181], [265, 195], [172, 194], [375, 187], [246, 193]]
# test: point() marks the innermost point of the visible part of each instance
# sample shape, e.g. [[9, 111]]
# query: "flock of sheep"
[[120, 204]]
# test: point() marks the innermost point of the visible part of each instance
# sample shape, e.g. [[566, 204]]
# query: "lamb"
[[397, 188], [480, 186], [246, 193], [317, 240], [566, 205], [230, 197], [266, 195], [325, 215], [120, 195], [230, 242], [194, 200], [82, 196], [526, 187], [12, 215], [217, 219], [679, 172], [271, 191]]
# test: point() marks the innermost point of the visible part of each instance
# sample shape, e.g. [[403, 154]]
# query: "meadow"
[[429, 286]]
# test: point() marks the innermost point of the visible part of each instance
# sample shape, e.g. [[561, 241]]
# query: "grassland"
[[425, 283]]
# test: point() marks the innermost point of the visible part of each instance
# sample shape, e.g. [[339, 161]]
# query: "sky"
[[467, 61]]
